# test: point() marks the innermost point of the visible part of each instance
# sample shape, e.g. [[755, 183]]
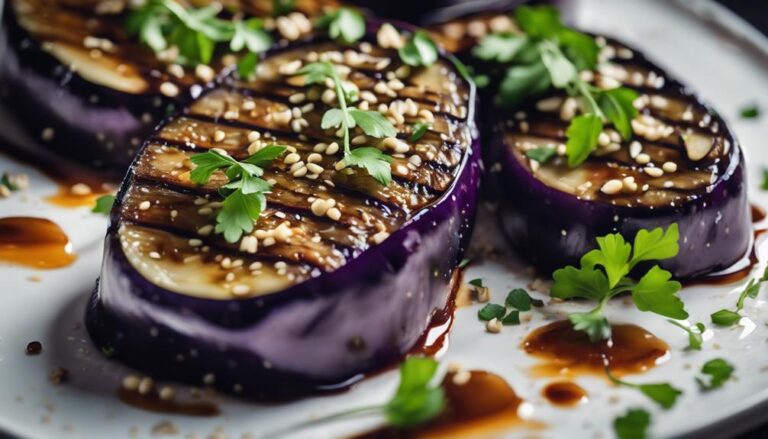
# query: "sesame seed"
[[167, 393], [643, 158], [669, 167], [131, 382], [219, 135], [169, 89], [493, 326], [612, 187], [146, 385], [462, 377], [80, 189], [334, 213], [654, 172], [205, 230], [241, 290], [379, 237], [144, 205]]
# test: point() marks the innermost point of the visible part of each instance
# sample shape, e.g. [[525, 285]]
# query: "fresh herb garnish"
[[418, 398], [282, 7], [750, 112], [464, 262], [662, 393], [476, 282], [491, 311], [419, 50], [518, 299], [718, 371], [194, 31], [726, 317], [632, 425], [345, 25], [373, 124], [104, 204], [541, 154], [604, 273], [695, 334], [549, 54], [244, 193], [418, 131], [5, 180], [764, 186]]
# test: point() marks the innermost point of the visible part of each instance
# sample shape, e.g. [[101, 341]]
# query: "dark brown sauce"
[[434, 340], [152, 403], [482, 406], [34, 242], [758, 213], [564, 394], [565, 351]]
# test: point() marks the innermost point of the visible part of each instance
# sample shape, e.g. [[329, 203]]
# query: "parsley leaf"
[[476, 283], [416, 400], [542, 21], [418, 131], [523, 82], [604, 273], [561, 71], [725, 317], [519, 299], [244, 193], [344, 24], [463, 264], [500, 47], [764, 186], [513, 318], [718, 372], [618, 106], [5, 180], [632, 425], [491, 311], [541, 154], [372, 123], [372, 160], [695, 339], [750, 112], [419, 50], [282, 7], [250, 34], [104, 204], [246, 66], [663, 394], [582, 137]]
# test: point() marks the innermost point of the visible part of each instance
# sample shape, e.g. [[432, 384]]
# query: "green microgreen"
[[633, 424], [373, 123], [196, 32], [764, 185], [517, 300], [419, 50], [476, 283], [541, 154], [344, 25], [245, 191], [464, 262], [716, 372], [550, 55], [726, 317], [695, 334], [491, 311], [604, 273], [283, 7], [6, 181], [664, 394], [418, 131], [750, 112], [104, 204]]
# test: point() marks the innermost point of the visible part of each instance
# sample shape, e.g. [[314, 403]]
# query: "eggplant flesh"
[[683, 165], [318, 301], [77, 83]]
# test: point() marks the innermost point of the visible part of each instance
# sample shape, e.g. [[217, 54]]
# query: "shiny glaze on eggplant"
[[323, 306]]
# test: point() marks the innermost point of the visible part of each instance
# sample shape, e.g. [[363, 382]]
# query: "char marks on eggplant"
[[321, 297]]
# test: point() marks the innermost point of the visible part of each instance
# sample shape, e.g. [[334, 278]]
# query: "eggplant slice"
[[320, 299], [80, 85], [682, 166]]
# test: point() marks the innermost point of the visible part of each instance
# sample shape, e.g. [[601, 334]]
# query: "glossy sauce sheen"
[[65, 198], [153, 403], [484, 405], [564, 394], [566, 351], [34, 242]]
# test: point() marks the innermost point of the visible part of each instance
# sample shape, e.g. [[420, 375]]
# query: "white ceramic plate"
[[727, 69]]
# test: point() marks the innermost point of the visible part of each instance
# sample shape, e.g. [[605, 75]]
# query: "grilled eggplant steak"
[[77, 82], [683, 165], [314, 296]]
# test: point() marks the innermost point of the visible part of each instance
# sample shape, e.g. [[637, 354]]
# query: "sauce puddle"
[[152, 403], [567, 352], [483, 406], [68, 196], [34, 242], [564, 394]]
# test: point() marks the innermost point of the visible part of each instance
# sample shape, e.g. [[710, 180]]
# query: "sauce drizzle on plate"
[[34, 242]]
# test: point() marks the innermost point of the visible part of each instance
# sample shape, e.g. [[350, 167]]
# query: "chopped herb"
[[5, 180], [194, 31], [662, 393], [726, 317], [419, 50], [418, 398], [104, 204], [519, 299], [750, 112], [419, 129], [373, 160], [604, 273], [282, 7], [476, 283], [513, 318], [695, 339], [246, 66], [764, 186], [491, 311], [718, 371], [344, 25], [632, 425], [550, 55], [463, 264], [541, 154], [245, 192]]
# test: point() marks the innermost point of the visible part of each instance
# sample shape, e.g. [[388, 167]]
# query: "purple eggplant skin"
[[92, 124], [315, 336], [552, 229]]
